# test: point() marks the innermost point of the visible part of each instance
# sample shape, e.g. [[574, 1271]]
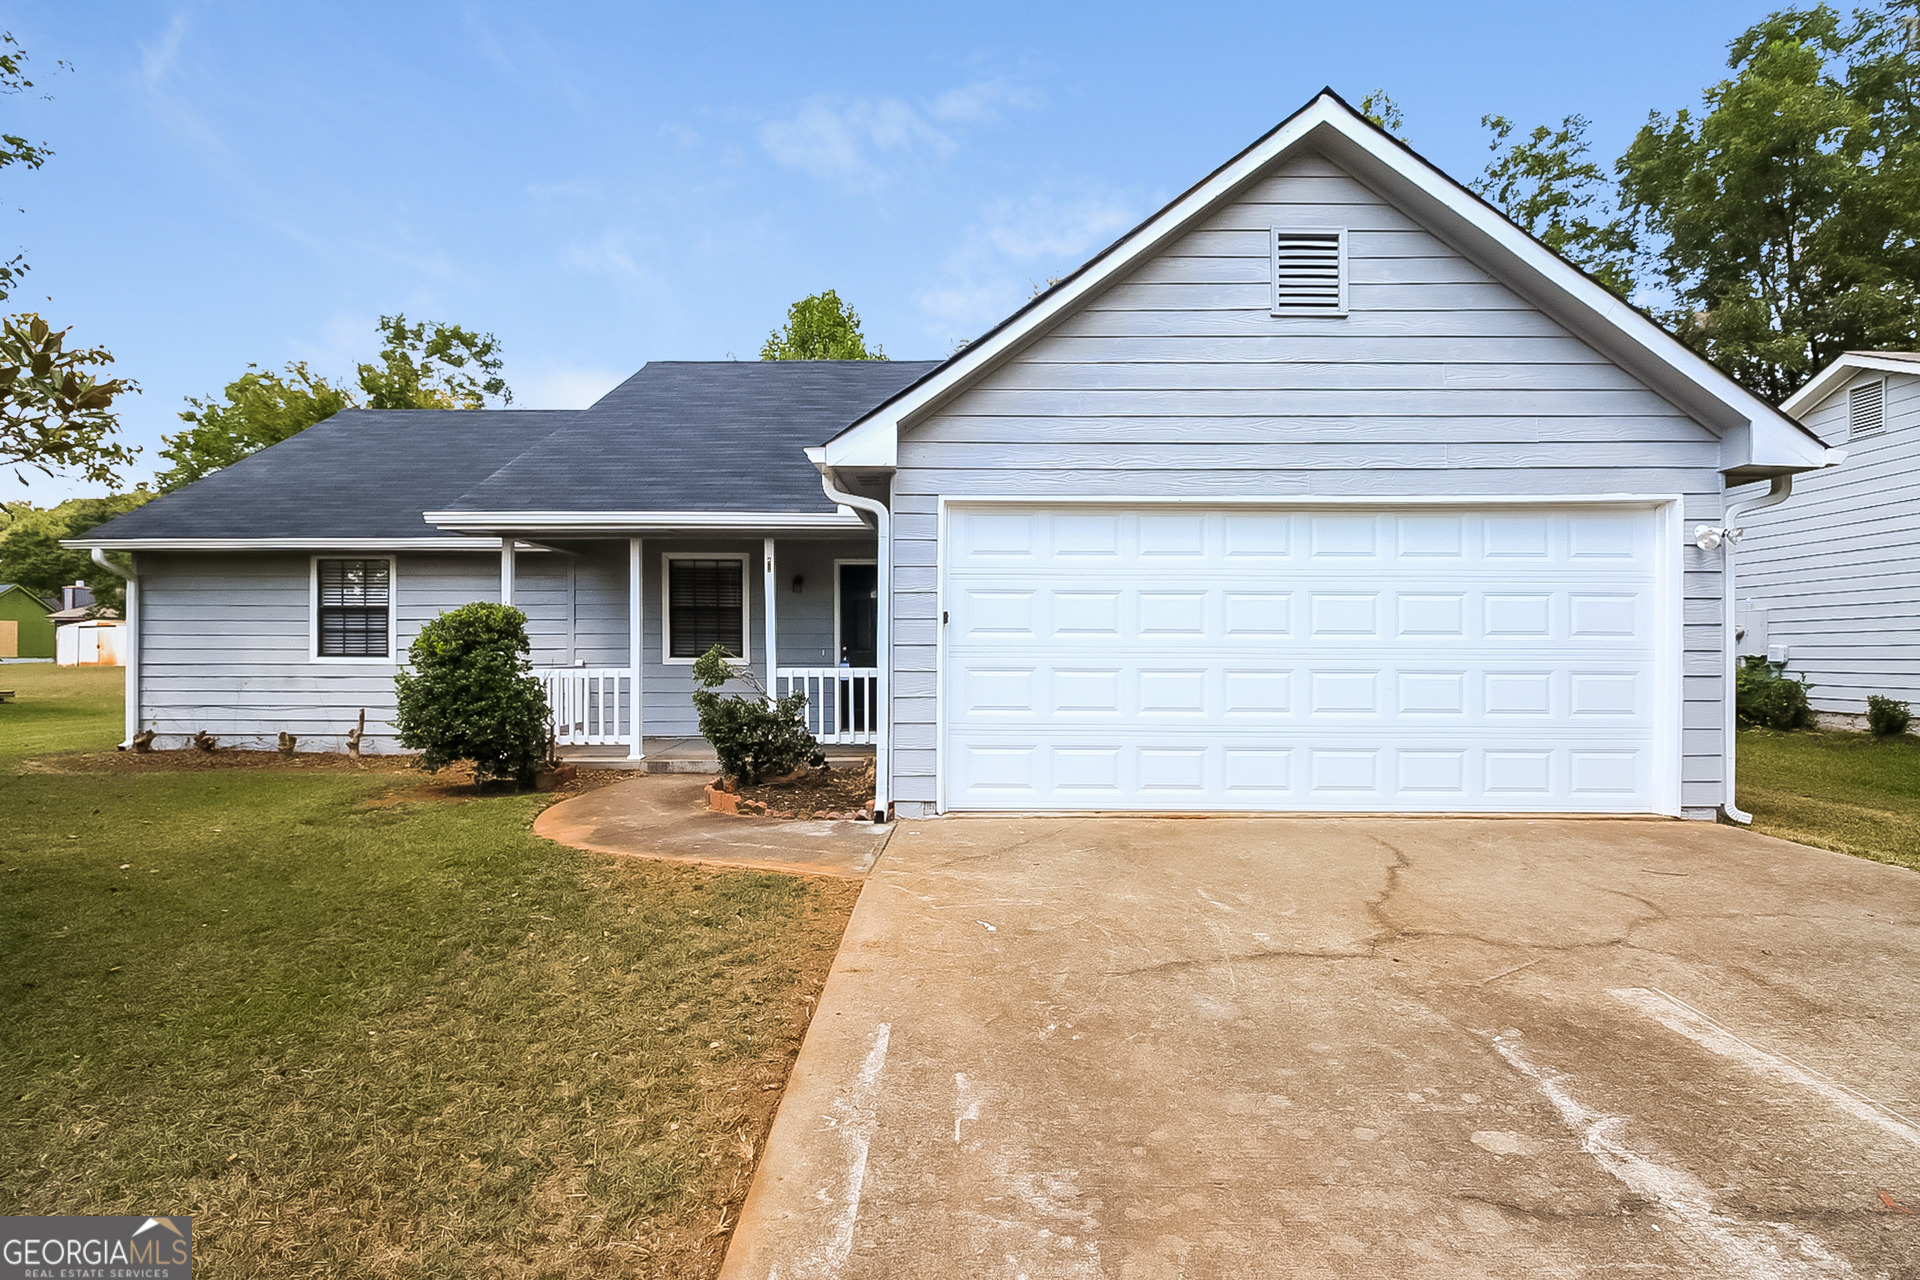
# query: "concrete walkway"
[[1147, 1049], [665, 816]]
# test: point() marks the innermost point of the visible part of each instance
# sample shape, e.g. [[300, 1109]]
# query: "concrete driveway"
[[1354, 1047]]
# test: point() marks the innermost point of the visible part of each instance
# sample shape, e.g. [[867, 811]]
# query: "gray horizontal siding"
[[224, 637], [1178, 382], [1836, 569]]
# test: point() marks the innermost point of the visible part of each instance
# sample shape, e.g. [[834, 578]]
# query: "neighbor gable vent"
[[1867, 409], [1309, 273]]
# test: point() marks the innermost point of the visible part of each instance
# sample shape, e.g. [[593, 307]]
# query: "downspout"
[[133, 642], [883, 632], [1728, 537]]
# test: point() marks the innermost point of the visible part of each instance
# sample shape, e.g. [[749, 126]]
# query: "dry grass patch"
[[401, 1041]]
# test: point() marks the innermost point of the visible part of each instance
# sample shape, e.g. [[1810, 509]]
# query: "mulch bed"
[[823, 793]]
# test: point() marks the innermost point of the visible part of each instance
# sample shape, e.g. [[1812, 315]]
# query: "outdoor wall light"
[[798, 582]]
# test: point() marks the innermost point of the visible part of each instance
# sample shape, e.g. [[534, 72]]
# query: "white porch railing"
[[843, 703], [591, 706]]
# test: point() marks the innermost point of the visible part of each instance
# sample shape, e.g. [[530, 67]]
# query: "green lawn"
[[402, 1040], [1842, 791]]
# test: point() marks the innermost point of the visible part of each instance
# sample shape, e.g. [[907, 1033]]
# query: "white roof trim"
[[1840, 372], [556, 522], [1762, 436], [280, 544]]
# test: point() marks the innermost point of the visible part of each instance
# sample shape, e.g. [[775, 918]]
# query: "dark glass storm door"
[[859, 643]]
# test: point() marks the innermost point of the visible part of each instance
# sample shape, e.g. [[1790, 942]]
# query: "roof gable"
[[1756, 439], [1841, 371]]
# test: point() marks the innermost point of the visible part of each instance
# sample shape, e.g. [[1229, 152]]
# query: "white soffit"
[[1765, 438]]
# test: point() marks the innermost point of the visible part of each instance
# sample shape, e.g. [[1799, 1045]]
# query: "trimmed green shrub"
[[1887, 717], [755, 737], [1765, 697], [469, 696]]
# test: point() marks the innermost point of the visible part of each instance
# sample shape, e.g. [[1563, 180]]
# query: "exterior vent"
[[1309, 273], [1867, 409]]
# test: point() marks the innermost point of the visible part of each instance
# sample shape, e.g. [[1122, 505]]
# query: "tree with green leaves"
[[260, 408], [820, 327], [430, 365], [1548, 183], [1784, 218], [56, 410], [433, 366], [1380, 108], [31, 554]]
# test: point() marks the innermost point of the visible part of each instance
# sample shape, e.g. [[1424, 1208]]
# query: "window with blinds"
[[706, 605], [355, 604], [1309, 273], [1867, 409]]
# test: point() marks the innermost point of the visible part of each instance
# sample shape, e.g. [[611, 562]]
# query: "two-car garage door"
[[1443, 659]]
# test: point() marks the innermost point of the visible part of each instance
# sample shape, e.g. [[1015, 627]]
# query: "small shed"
[[93, 643], [26, 627]]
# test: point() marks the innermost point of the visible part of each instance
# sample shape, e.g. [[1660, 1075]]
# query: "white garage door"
[[1446, 659]]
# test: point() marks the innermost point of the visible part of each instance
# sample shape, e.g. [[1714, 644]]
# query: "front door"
[[859, 615]]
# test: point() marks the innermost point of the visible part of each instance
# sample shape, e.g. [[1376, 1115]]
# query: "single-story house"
[[1324, 488], [26, 627], [1829, 584]]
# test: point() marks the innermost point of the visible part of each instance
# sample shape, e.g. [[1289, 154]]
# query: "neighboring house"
[[1325, 488], [1829, 583], [26, 629]]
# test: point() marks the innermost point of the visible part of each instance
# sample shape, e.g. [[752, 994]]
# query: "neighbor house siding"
[[1835, 571], [1178, 381]]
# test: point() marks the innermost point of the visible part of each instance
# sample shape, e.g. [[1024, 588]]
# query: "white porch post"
[[506, 571], [636, 615], [773, 653]]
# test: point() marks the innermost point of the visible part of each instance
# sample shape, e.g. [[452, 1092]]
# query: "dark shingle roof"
[[676, 436], [363, 473], [697, 436]]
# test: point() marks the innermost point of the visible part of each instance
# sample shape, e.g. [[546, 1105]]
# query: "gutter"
[[1726, 538], [883, 633], [132, 620]]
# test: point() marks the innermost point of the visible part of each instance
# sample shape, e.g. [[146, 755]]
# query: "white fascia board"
[[280, 544], [1838, 374], [1722, 405], [554, 523]]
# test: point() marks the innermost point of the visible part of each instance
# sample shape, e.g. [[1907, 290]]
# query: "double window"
[[353, 608], [706, 605]]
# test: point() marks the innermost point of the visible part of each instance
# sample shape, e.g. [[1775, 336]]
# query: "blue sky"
[[601, 185]]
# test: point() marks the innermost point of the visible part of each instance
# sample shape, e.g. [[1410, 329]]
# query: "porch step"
[[686, 755]]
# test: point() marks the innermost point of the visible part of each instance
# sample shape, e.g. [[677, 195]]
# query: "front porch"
[[686, 755]]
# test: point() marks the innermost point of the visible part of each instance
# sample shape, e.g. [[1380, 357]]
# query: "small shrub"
[[469, 696], [1765, 697], [1886, 717], [754, 737]]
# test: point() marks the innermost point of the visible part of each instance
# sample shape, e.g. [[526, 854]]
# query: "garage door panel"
[[1234, 659]]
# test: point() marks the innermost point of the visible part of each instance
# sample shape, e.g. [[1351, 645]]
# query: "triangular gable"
[[1841, 371], [1757, 439]]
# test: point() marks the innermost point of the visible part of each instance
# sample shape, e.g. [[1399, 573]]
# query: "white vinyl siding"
[[1179, 381], [1836, 569]]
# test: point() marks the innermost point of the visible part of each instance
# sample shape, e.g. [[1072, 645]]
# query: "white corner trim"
[[1836, 375], [874, 439], [393, 614], [666, 605], [559, 522]]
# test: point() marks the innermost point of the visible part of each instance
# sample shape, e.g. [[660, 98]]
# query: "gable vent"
[[1867, 409], [1309, 273]]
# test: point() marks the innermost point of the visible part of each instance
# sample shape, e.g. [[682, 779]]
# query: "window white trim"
[[666, 604], [393, 612], [833, 658], [1282, 309]]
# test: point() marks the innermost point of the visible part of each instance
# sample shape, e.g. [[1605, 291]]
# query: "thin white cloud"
[[855, 142], [564, 386], [1015, 246], [158, 59]]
